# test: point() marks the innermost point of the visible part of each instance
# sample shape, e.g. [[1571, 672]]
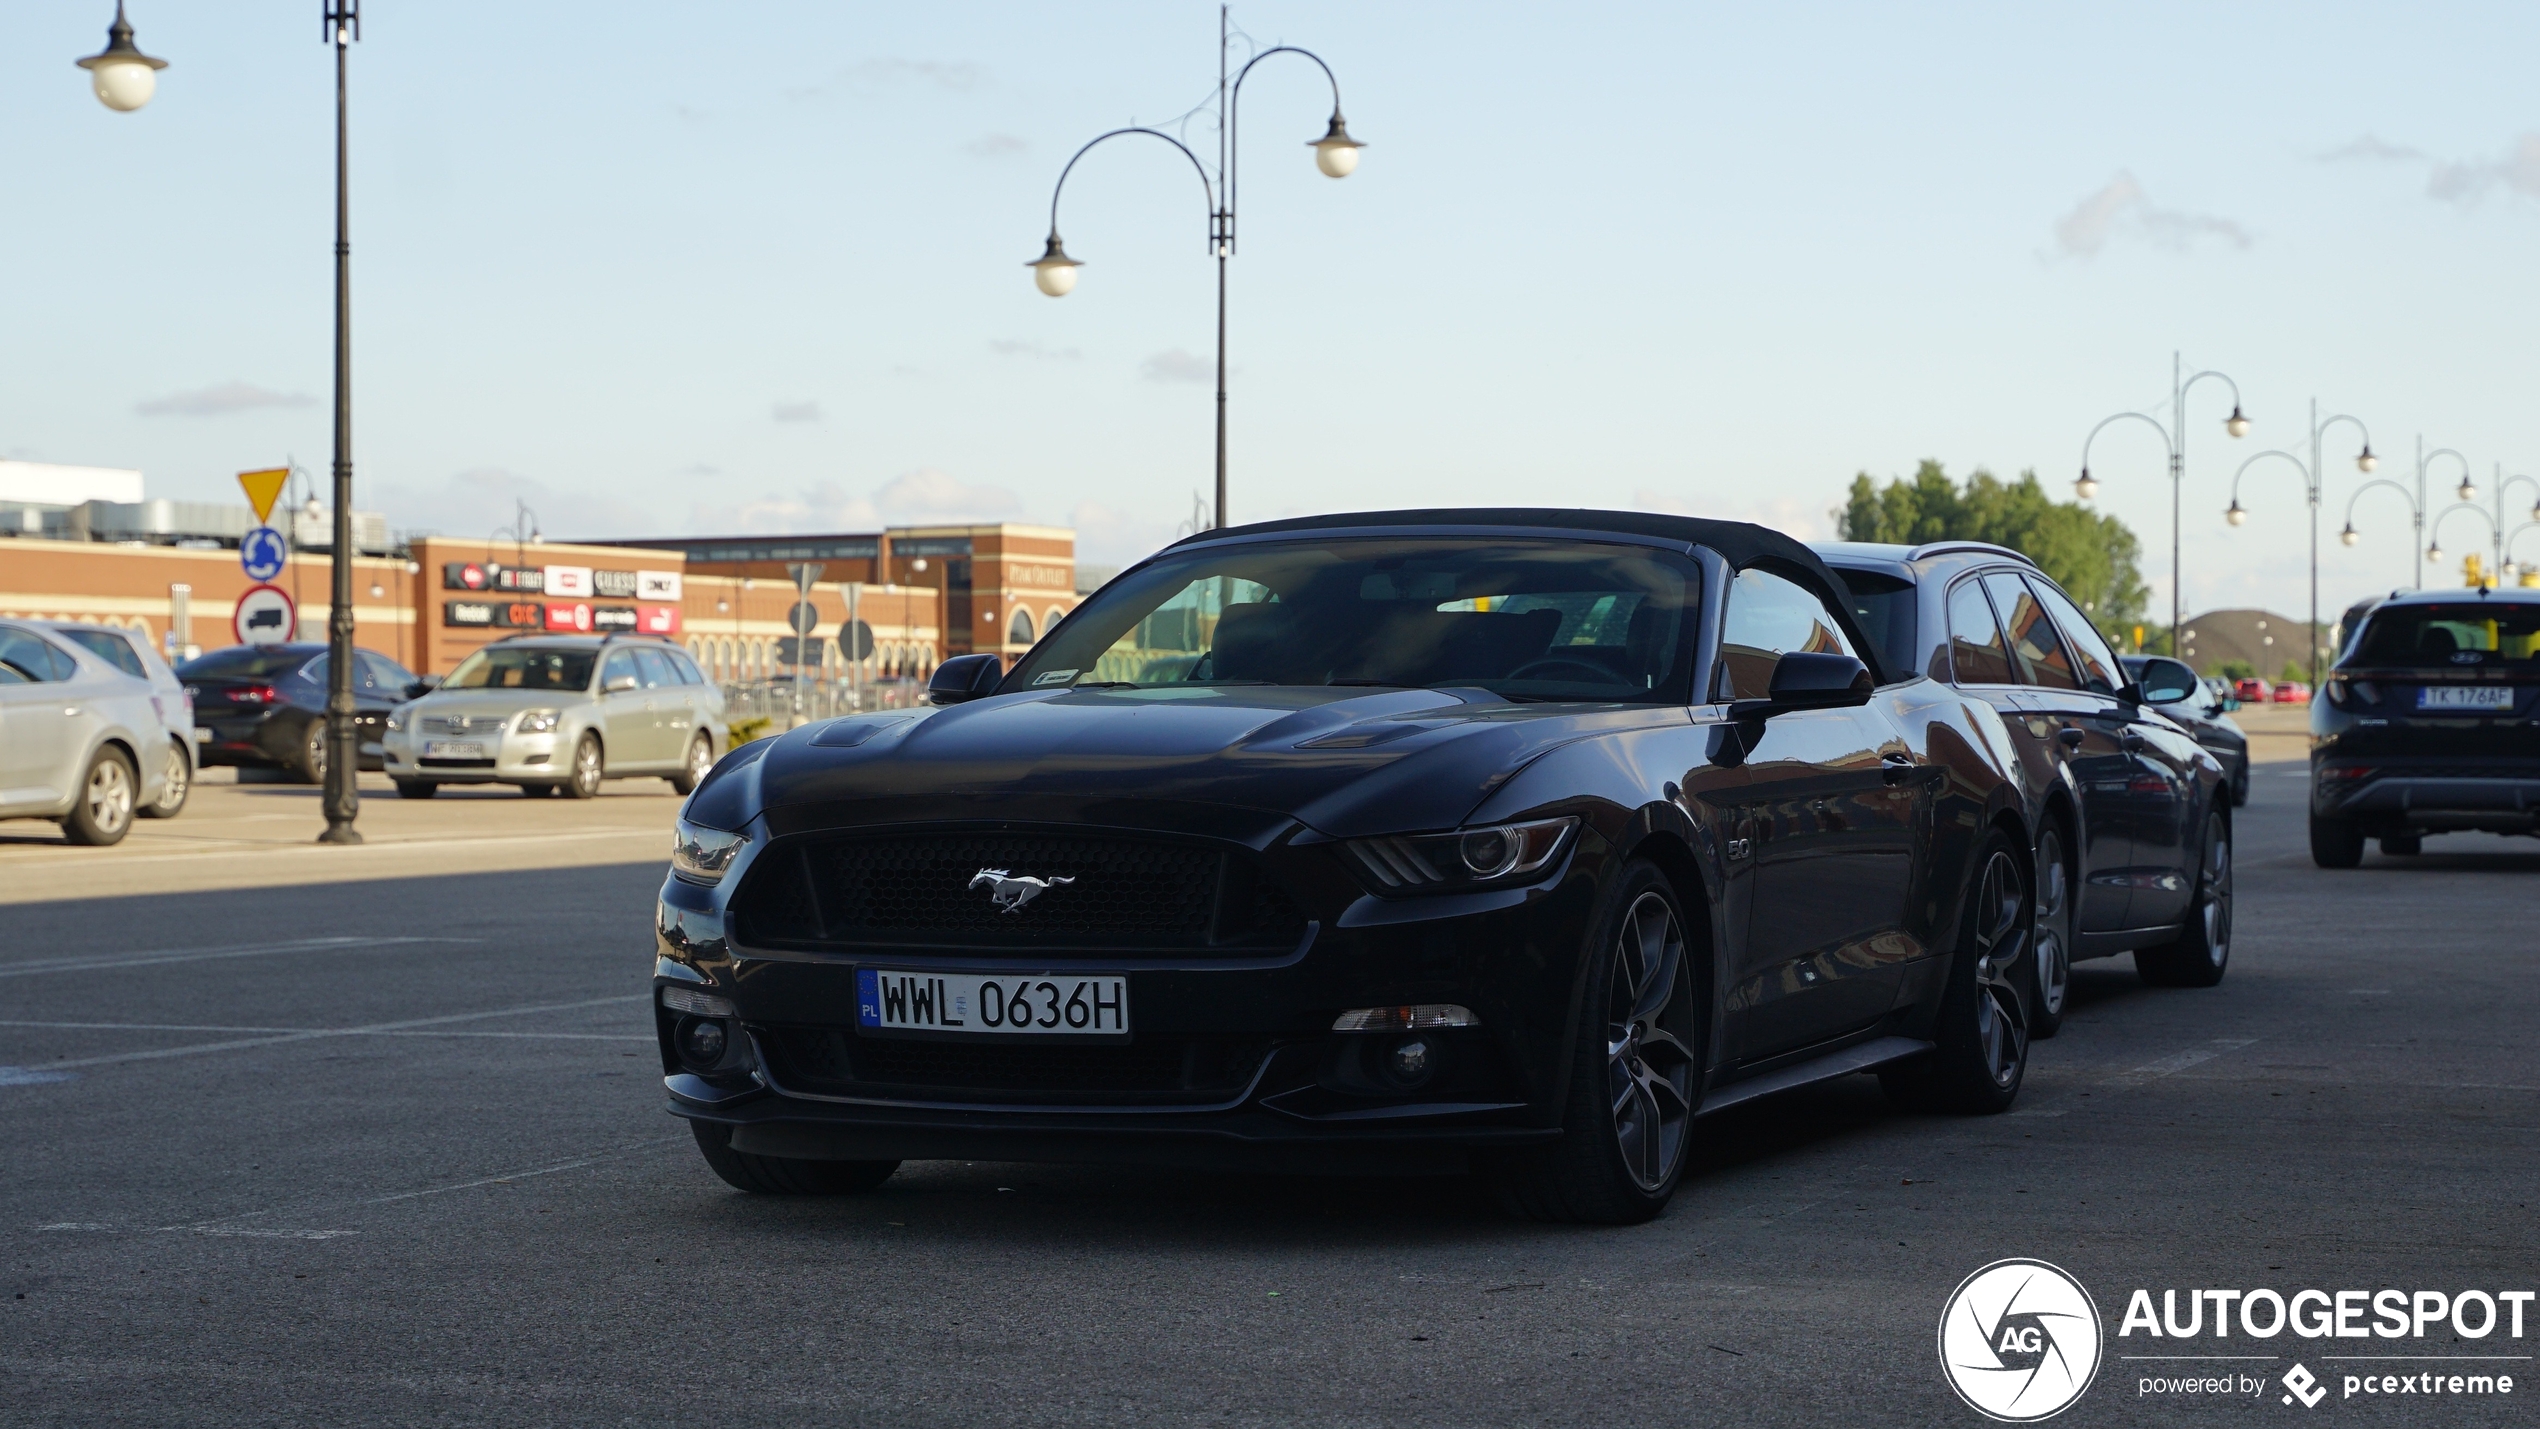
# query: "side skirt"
[[1860, 1057]]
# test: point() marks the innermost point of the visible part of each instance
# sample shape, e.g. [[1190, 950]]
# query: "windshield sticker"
[[1054, 677]]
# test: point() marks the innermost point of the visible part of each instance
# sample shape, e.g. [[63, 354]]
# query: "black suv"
[[2133, 819], [2430, 724]]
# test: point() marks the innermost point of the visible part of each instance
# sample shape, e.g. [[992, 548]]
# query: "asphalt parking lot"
[[304, 1135]]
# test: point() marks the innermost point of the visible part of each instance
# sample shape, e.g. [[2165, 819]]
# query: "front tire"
[[1633, 1078], [2240, 786], [176, 784], [2202, 953], [2336, 843], [693, 772], [587, 767], [102, 813], [1982, 1036], [785, 1176], [2053, 965]]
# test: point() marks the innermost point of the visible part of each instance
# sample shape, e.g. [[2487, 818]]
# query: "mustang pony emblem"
[[1010, 892]]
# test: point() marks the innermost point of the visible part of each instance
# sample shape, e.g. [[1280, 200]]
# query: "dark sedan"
[[1511, 841], [2200, 711], [2430, 725], [2132, 819], [264, 706]]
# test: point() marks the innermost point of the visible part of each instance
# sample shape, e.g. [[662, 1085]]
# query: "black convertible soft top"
[[1741, 543]]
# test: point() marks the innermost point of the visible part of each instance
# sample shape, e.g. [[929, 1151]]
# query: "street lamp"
[[343, 20], [2237, 514], [1336, 154], [2500, 540], [2174, 441], [123, 77], [2416, 504]]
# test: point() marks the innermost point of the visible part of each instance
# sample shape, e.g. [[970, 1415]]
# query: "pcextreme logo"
[[2019, 1341]]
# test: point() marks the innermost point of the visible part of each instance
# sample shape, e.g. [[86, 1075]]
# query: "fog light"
[[1417, 1017], [701, 1043], [1410, 1061]]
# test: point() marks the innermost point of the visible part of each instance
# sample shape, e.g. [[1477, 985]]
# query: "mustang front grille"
[[819, 1059]]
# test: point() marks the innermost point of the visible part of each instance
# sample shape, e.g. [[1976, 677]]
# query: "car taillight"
[[255, 695], [2345, 773], [2343, 691]]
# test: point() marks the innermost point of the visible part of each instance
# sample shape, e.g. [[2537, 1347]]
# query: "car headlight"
[[703, 855], [540, 721], [1497, 854], [397, 717]]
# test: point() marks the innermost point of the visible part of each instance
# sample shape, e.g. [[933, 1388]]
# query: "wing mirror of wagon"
[[423, 685], [965, 677], [618, 684], [1810, 680]]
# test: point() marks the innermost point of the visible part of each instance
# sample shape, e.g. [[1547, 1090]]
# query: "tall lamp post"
[[2174, 440], [2416, 501], [2499, 539], [2238, 514], [343, 752], [1336, 154]]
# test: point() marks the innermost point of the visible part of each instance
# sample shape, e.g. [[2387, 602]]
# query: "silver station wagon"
[[553, 714]]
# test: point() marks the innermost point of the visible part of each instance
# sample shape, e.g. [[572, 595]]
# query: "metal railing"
[[776, 704]]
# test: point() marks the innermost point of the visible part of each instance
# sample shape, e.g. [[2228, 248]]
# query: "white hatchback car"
[[74, 731]]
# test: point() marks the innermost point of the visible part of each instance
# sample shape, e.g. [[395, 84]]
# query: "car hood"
[[1238, 763]]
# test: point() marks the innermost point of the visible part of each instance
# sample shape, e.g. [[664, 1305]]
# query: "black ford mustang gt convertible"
[[1509, 841]]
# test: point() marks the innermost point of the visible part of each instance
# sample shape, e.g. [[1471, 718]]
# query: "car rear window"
[[243, 662], [109, 647], [2449, 635]]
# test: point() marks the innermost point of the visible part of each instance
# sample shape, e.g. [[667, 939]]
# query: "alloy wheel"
[[1649, 1064], [174, 782], [2000, 911], [586, 768], [2054, 955], [109, 795], [2217, 902], [700, 760]]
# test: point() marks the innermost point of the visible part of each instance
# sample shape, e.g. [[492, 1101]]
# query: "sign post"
[[805, 618]]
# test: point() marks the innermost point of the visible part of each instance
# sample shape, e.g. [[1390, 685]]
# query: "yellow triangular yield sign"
[[264, 488]]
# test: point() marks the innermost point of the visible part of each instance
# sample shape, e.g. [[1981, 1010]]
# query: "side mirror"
[[1807, 680], [965, 677], [422, 685], [2166, 682], [618, 684]]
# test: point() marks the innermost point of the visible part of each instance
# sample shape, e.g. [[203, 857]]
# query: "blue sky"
[[662, 268]]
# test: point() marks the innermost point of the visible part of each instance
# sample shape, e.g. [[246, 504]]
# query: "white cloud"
[[2121, 207], [220, 400], [995, 146], [2517, 172], [1178, 365], [479, 500], [2372, 147], [795, 411]]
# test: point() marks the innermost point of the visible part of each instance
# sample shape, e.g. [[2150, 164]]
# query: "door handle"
[[1896, 768], [2070, 737]]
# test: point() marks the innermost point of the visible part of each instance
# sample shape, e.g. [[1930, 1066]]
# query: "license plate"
[[2465, 697], [1038, 1004], [453, 749]]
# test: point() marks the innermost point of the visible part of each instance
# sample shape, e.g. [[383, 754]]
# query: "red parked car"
[[2251, 691], [2292, 692]]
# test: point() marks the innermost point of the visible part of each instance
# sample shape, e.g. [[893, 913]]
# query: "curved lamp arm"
[[2508, 484], [2189, 385], [2404, 495], [2434, 531], [2358, 424], [2168, 447], [1208, 191], [2310, 488], [2517, 531], [1234, 124], [2467, 475]]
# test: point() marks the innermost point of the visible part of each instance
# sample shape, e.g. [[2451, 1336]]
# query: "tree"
[[2093, 557]]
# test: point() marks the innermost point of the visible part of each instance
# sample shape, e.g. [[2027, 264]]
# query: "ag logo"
[[2019, 1340]]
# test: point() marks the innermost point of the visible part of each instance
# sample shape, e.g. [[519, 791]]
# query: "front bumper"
[[1263, 1082], [516, 758]]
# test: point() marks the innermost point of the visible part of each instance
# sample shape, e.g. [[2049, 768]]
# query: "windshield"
[[1883, 606], [498, 667], [1527, 620], [2450, 635], [245, 662]]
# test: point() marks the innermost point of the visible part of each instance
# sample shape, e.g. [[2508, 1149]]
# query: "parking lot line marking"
[[216, 1226], [193, 1027], [2177, 1062], [144, 1027], [240, 1044], [33, 966]]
